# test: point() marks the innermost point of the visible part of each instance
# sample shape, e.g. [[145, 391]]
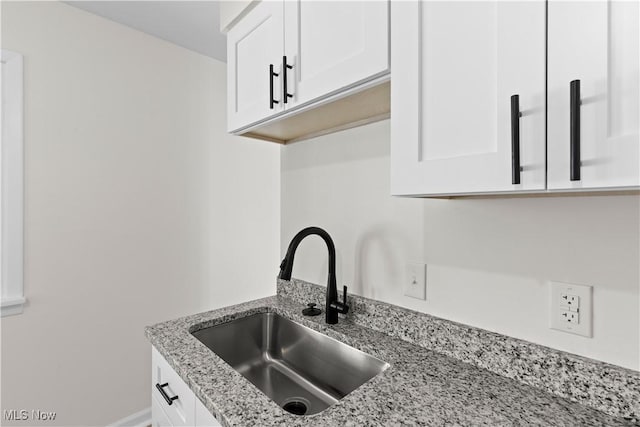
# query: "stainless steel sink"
[[300, 369]]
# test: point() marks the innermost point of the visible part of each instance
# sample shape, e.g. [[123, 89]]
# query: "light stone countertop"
[[421, 387]]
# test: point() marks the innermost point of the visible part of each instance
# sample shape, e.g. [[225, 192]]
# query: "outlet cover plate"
[[415, 281], [558, 305]]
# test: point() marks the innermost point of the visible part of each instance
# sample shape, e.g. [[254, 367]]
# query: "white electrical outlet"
[[571, 302], [570, 316], [415, 284], [570, 308]]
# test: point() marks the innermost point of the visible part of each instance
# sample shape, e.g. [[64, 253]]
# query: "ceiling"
[[191, 24]]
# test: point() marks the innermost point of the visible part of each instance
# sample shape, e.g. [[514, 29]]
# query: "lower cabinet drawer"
[[158, 417], [171, 393]]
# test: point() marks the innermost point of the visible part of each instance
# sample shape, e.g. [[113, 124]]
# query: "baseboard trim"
[[139, 419]]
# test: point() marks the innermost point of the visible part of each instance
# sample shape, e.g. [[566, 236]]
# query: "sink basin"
[[300, 369]]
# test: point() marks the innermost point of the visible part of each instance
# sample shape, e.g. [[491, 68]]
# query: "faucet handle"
[[340, 307], [344, 307]]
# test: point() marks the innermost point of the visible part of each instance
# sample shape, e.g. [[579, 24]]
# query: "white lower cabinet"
[[158, 417], [173, 403]]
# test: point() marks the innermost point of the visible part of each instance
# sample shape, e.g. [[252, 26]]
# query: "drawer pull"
[[168, 399]]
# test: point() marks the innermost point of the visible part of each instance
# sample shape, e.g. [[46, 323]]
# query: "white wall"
[[139, 208], [489, 260]]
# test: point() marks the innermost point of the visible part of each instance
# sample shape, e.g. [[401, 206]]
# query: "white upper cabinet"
[[456, 126], [254, 57], [332, 45], [595, 45], [288, 57]]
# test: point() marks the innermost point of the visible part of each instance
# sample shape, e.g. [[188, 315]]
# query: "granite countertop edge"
[[421, 387]]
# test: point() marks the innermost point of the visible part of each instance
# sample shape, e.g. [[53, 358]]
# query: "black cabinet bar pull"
[[285, 93], [515, 139], [574, 124], [271, 76], [164, 394]]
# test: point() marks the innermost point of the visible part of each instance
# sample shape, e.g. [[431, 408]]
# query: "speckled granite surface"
[[421, 387], [606, 387]]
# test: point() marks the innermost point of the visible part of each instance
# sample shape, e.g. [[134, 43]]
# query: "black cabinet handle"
[[515, 139], [574, 125], [285, 93], [272, 74], [164, 394]]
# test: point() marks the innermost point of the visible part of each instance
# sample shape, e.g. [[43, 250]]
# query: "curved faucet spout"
[[333, 306], [286, 267]]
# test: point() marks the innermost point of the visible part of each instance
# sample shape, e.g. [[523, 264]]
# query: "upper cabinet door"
[[456, 66], [593, 44], [332, 45], [254, 55]]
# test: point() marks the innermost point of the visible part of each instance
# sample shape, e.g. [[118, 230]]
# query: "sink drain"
[[296, 407]]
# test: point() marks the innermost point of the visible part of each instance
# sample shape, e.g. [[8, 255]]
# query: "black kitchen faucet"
[[333, 306]]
